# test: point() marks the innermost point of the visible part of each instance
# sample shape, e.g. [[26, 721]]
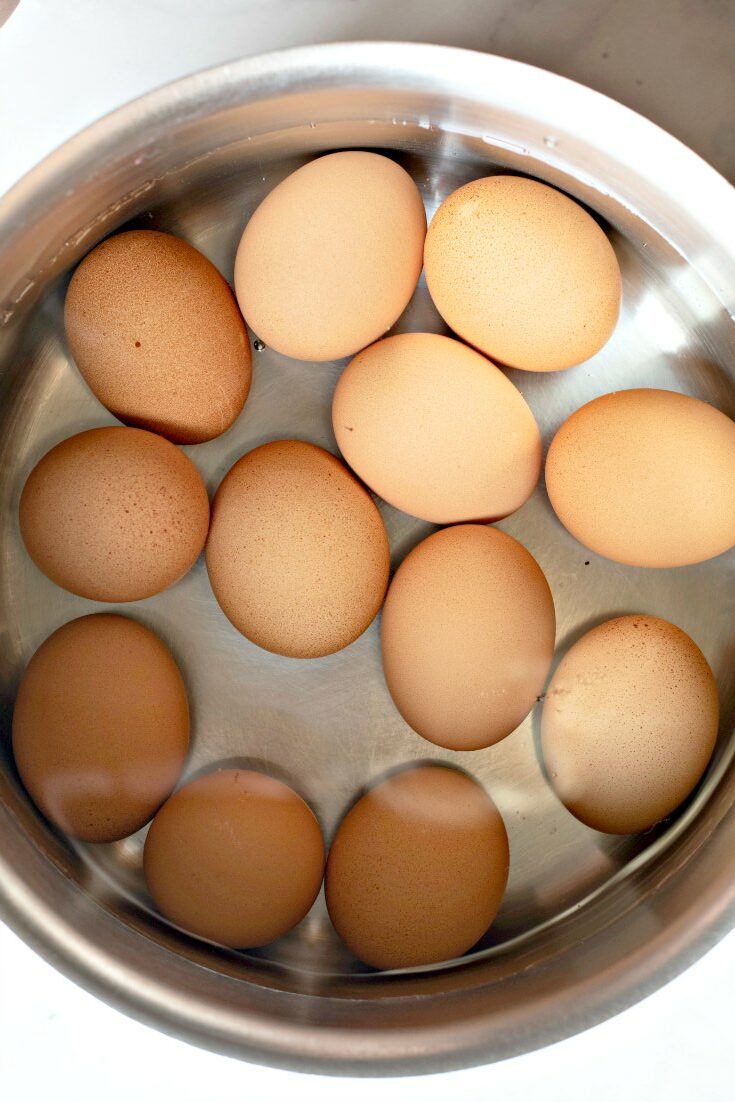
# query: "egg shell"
[[522, 272], [236, 857], [437, 430], [331, 256], [467, 636], [629, 723], [646, 477], [417, 869], [297, 554], [156, 333], [114, 514], [100, 727]]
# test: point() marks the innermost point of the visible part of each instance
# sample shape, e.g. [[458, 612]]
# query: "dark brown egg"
[[236, 857], [629, 723], [114, 514], [156, 333], [297, 553], [100, 727], [417, 869]]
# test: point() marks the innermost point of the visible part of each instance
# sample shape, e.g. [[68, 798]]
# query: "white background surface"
[[64, 63]]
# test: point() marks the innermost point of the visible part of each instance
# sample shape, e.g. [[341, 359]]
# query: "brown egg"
[[436, 429], [100, 727], [157, 335], [297, 553], [236, 857], [467, 636], [417, 869], [523, 273], [646, 477], [114, 514], [331, 256], [629, 723]]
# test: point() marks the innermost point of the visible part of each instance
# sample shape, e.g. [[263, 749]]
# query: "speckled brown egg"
[[646, 477], [157, 335], [236, 857], [331, 256], [417, 869], [437, 430], [297, 553], [114, 514], [467, 636], [523, 273], [629, 723], [100, 727]]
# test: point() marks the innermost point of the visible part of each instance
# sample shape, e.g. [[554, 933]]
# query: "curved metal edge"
[[657, 156], [452, 1044]]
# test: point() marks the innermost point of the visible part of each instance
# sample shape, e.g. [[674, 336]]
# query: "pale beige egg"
[[522, 272], [330, 258], [100, 727], [297, 553], [467, 636], [417, 869], [646, 477], [236, 857], [629, 723], [157, 335], [437, 430], [114, 514]]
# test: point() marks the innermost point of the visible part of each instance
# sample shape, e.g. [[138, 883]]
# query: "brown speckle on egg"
[[522, 272], [114, 514], [189, 374], [629, 723]]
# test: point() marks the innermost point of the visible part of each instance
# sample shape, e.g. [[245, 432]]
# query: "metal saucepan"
[[590, 922]]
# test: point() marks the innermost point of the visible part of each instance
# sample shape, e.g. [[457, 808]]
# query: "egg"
[[114, 514], [629, 723], [331, 256], [437, 430], [646, 477], [156, 333], [467, 636], [236, 857], [417, 869], [523, 273], [100, 727], [297, 553]]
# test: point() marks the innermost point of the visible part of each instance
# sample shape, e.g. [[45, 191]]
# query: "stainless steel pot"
[[590, 923]]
